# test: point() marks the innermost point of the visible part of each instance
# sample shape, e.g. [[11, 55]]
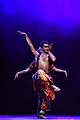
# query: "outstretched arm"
[[31, 66], [29, 43], [20, 73], [59, 70]]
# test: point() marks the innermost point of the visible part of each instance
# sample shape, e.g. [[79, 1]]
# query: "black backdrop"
[[18, 97]]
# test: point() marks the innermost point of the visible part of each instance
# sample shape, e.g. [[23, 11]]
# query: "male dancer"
[[44, 83]]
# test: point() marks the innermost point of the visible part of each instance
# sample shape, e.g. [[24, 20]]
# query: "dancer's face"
[[45, 48]]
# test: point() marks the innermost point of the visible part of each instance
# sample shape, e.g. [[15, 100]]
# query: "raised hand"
[[16, 76], [51, 47], [66, 73], [22, 33]]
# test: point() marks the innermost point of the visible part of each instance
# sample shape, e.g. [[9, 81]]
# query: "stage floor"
[[32, 117]]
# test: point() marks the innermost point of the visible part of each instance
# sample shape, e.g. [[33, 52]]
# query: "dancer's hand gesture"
[[22, 33], [16, 76], [66, 73]]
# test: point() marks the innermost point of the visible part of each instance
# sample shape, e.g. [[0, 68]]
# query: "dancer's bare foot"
[[55, 88], [41, 117]]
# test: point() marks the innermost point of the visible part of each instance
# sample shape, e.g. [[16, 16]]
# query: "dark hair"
[[43, 42]]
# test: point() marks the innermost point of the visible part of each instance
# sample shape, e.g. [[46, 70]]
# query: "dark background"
[[18, 97]]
